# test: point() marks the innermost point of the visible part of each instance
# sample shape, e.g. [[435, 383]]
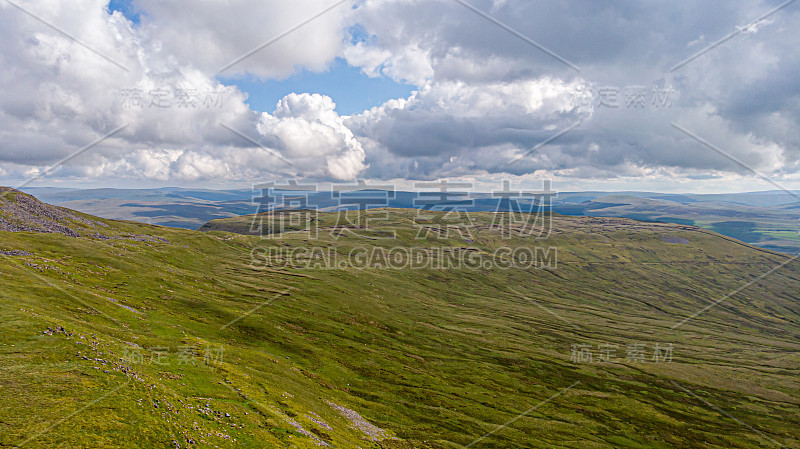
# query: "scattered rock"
[[318, 421], [374, 432], [57, 330], [20, 212], [15, 253]]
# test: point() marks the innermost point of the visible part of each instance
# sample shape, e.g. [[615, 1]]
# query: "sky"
[[673, 96]]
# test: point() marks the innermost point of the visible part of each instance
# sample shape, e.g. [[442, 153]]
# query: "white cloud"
[[210, 34], [310, 130], [62, 96], [484, 95]]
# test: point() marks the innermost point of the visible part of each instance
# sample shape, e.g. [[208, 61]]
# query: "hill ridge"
[[21, 212], [198, 345]]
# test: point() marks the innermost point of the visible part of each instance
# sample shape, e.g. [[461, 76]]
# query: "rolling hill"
[[766, 219], [608, 333]]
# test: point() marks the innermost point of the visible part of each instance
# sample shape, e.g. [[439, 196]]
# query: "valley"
[[121, 334]]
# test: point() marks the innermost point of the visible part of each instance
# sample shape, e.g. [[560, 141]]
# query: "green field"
[[142, 336]]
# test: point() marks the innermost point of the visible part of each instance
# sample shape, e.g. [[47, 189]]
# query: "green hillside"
[[773, 227], [117, 334]]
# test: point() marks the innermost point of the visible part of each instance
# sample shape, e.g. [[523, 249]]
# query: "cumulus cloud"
[[742, 96], [484, 97], [309, 130], [158, 78], [213, 35], [457, 128]]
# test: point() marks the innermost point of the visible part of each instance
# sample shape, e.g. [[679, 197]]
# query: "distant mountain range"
[[768, 219]]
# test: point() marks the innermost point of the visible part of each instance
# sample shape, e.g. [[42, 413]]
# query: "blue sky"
[[125, 7], [486, 94], [349, 87]]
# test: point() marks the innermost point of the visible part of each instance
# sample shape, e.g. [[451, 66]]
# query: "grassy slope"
[[774, 228], [438, 358]]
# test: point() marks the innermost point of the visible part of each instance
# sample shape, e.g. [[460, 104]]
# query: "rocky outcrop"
[[20, 212]]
